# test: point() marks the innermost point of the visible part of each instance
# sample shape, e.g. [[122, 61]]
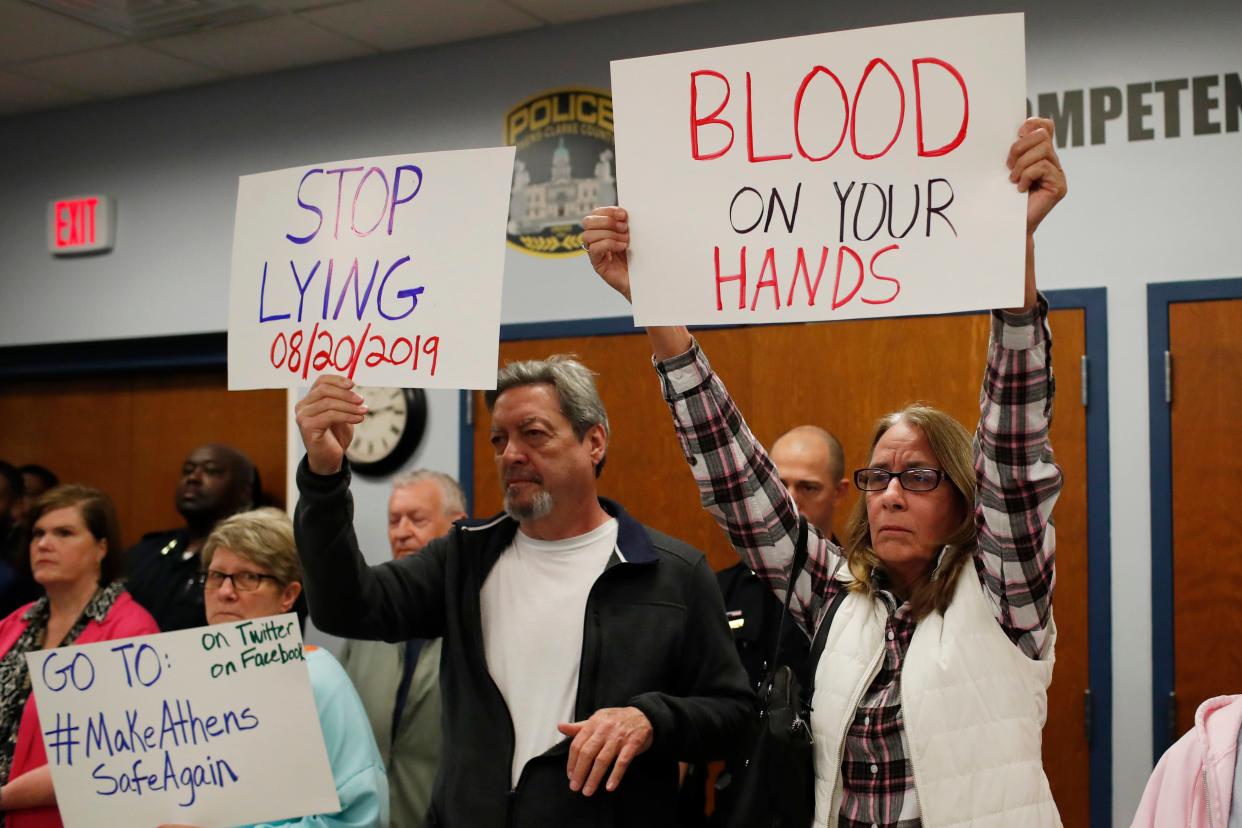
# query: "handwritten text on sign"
[[831, 176], [210, 726], [379, 269]]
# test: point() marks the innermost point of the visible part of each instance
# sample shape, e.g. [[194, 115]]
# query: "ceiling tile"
[[303, 5], [400, 24], [262, 46], [567, 11], [71, 60], [18, 94], [117, 71], [29, 32]]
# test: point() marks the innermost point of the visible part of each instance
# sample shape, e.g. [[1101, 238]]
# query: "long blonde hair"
[[951, 443]]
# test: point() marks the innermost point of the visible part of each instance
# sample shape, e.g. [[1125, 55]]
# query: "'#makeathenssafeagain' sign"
[[213, 726]]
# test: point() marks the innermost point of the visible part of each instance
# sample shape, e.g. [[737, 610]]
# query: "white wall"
[[1156, 210]]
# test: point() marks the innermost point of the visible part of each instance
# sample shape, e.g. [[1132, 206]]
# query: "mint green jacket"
[[412, 757]]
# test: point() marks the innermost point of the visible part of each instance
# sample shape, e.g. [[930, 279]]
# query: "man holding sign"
[[583, 654], [930, 694]]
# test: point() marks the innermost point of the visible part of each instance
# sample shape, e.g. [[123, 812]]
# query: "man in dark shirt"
[[12, 491], [17, 587], [36, 480], [216, 481], [583, 654]]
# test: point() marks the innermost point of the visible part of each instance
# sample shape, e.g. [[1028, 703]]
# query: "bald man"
[[811, 464], [216, 481]]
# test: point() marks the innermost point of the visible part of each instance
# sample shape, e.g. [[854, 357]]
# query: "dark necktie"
[[412, 648]]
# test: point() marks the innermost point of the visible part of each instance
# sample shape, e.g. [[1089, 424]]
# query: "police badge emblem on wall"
[[563, 170]]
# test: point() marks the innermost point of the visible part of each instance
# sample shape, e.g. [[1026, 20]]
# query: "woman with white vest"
[[931, 693]]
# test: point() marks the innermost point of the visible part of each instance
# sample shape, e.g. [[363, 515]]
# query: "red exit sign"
[[81, 224]]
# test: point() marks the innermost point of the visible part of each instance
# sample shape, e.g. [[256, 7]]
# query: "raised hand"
[[1036, 169], [326, 417], [606, 234]]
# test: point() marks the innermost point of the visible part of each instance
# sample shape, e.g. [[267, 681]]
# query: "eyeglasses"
[[242, 581], [912, 480]]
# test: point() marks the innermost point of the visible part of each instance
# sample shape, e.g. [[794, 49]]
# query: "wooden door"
[[1205, 423], [841, 376], [128, 435]]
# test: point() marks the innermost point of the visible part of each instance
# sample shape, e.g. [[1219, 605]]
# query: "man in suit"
[[400, 683]]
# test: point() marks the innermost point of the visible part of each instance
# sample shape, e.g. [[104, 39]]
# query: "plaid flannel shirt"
[[1018, 484]]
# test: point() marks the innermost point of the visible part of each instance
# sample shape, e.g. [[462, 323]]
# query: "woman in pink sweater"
[[1194, 781], [75, 554]]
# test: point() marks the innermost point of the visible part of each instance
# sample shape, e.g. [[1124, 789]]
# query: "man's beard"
[[539, 506]]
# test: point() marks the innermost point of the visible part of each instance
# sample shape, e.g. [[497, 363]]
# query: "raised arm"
[[738, 485], [393, 601], [606, 236], [1018, 479]]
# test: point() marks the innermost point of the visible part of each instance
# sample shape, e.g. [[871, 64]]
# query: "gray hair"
[[574, 384], [454, 498]]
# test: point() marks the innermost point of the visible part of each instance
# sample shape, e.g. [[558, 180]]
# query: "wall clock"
[[395, 421]]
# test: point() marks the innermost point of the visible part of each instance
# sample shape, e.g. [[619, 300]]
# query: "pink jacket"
[[1193, 783], [124, 620]]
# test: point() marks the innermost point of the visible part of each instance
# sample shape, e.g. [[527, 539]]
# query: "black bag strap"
[[817, 647], [799, 561], [821, 633]]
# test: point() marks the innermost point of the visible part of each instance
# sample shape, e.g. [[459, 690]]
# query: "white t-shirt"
[[533, 605]]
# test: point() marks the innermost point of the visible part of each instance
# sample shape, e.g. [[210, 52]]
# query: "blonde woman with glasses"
[[251, 570]]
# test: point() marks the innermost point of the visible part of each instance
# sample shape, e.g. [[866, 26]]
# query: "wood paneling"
[[128, 435], [841, 376], [1207, 488]]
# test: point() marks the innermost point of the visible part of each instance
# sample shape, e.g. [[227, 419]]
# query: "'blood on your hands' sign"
[[831, 176]]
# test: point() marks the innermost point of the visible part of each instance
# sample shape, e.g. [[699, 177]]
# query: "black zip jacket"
[[654, 637]]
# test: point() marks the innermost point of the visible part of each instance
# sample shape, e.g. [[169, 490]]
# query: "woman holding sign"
[[75, 554], [930, 696], [251, 570]]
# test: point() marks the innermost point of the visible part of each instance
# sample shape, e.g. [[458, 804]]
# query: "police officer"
[[811, 464], [216, 481]]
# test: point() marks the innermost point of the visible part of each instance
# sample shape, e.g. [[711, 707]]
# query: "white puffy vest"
[[973, 704]]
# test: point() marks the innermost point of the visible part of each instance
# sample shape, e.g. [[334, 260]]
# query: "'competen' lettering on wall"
[[1171, 108]]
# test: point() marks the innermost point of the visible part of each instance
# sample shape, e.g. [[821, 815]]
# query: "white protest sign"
[[214, 726], [832, 176], [386, 270]]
